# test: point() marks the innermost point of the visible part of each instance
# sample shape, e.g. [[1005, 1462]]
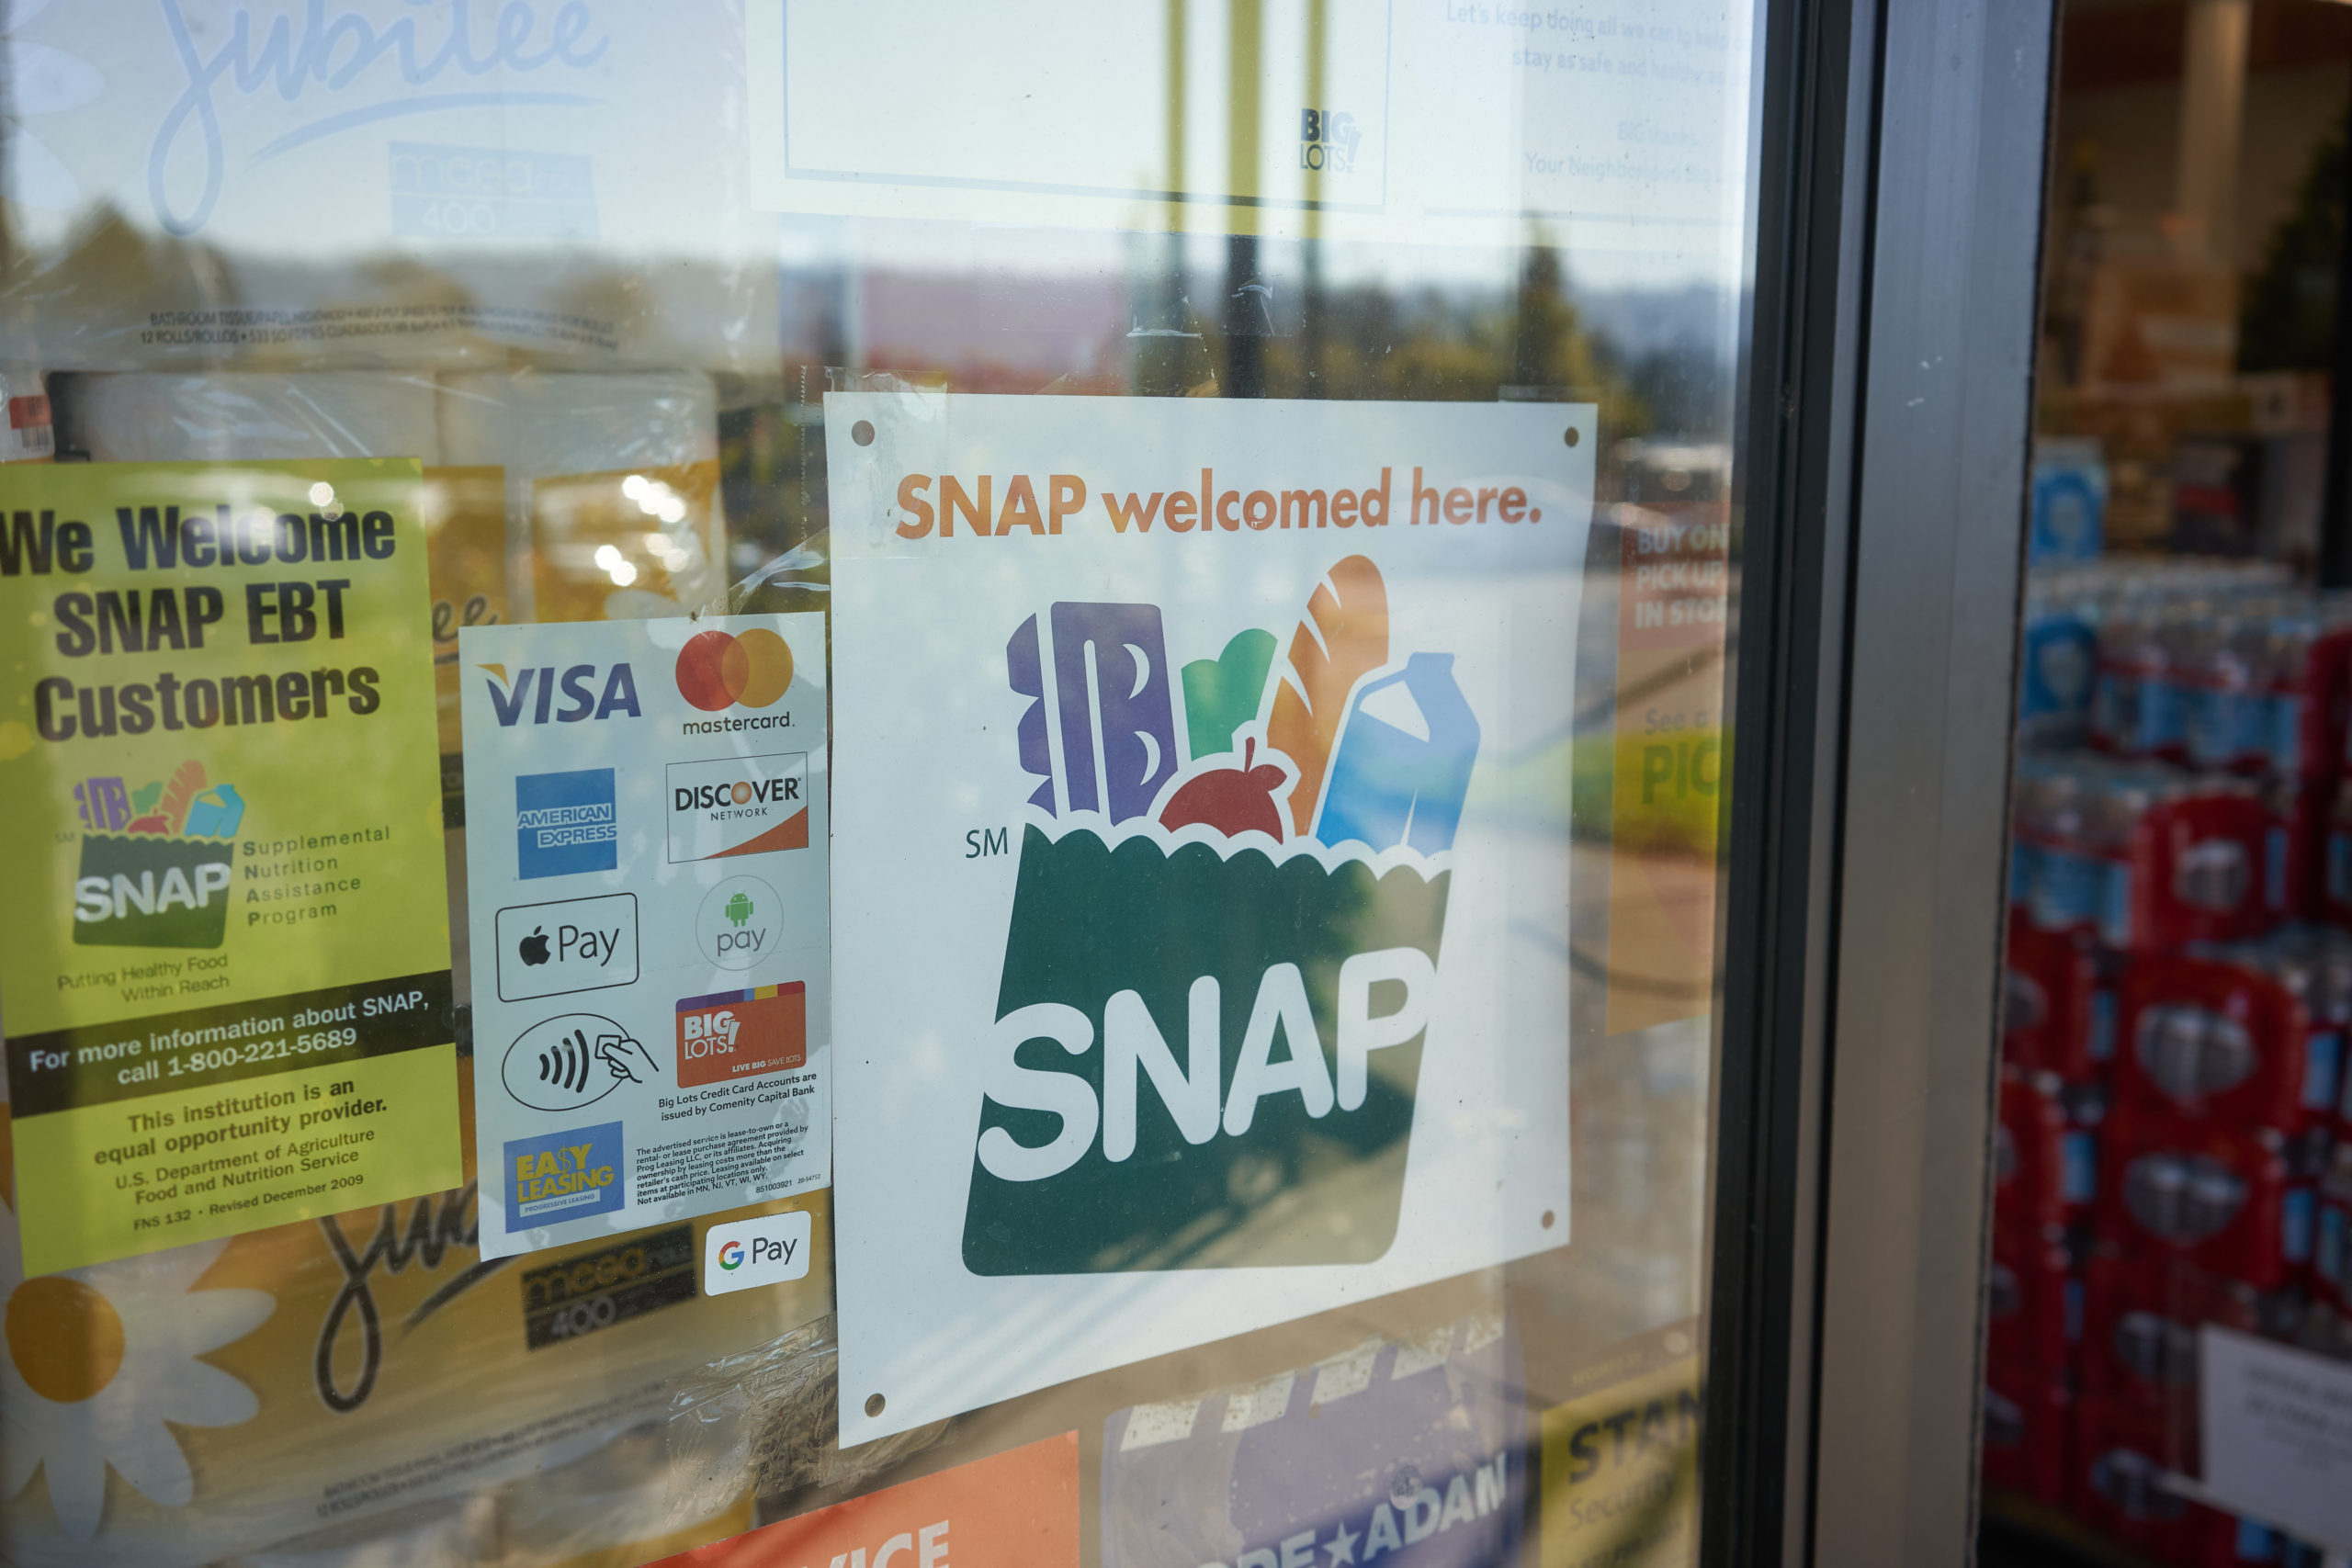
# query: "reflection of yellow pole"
[[1245, 25], [1316, 36], [1175, 186], [1246, 317]]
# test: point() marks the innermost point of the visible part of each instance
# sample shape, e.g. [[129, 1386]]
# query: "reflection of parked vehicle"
[[1666, 474]]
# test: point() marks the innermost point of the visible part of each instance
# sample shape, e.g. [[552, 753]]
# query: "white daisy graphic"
[[37, 79], [99, 1360]]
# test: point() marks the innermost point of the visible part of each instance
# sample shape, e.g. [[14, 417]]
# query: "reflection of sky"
[[1457, 121], [625, 131], [1054, 299]]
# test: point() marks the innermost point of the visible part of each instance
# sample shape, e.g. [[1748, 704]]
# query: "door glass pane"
[[2166, 1258], [913, 781]]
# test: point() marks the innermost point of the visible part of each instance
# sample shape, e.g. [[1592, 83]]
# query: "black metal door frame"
[[1900, 150]]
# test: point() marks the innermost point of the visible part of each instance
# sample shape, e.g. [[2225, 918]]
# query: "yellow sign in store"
[[1621, 1468], [224, 951]]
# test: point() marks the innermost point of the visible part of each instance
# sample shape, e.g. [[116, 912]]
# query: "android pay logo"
[[738, 922], [1221, 960]]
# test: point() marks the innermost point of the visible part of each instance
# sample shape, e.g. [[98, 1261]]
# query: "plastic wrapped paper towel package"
[[368, 1389], [549, 496], [225, 417], [611, 482], [212, 184]]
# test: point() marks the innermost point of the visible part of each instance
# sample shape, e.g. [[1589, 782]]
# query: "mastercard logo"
[[718, 669]]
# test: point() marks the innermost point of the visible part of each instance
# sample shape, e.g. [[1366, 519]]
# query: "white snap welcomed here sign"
[[1208, 957], [765, 1251]]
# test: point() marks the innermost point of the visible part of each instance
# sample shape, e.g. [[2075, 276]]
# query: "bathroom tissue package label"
[[1203, 785], [646, 858], [225, 963], [364, 183], [315, 1375], [465, 520]]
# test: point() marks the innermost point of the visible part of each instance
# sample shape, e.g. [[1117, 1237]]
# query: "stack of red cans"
[[2178, 989]]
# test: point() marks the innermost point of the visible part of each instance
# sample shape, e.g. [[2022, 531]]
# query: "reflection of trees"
[[1374, 342], [2287, 319]]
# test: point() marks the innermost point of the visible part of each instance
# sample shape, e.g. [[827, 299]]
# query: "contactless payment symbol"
[[738, 921], [563, 1064], [718, 670]]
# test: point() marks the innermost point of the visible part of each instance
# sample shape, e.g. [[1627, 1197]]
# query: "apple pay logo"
[[572, 945], [765, 1251]]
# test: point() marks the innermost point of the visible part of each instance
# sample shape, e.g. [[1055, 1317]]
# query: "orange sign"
[[1013, 1510], [1673, 604]]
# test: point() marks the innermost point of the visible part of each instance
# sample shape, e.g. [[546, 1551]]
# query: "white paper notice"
[[646, 883], [1203, 785], [1437, 122], [2277, 1429]]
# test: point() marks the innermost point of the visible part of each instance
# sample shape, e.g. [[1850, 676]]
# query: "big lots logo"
[[1182, 901], [737, 1034]]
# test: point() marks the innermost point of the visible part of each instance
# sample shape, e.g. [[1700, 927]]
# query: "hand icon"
[[614, 1051]]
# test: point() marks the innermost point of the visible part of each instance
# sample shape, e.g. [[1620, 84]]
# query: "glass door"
[[905, 784]]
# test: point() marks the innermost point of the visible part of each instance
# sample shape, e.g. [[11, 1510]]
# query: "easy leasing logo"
[[1274, 907], [563, 1175]]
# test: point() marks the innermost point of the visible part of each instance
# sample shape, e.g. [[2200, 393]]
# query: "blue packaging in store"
[[1410, 1452], [2069, 501], [2059, 661]]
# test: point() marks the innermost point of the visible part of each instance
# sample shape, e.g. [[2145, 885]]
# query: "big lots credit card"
[[646, 870], [734, 1034]]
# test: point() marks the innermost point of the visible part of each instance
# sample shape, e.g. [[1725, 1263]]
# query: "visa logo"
[[534, 690]]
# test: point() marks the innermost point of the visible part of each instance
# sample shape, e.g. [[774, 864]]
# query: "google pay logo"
[[765, 1251]]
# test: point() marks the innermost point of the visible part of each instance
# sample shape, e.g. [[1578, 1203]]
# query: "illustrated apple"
[[1231, 800], [533, 948]]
